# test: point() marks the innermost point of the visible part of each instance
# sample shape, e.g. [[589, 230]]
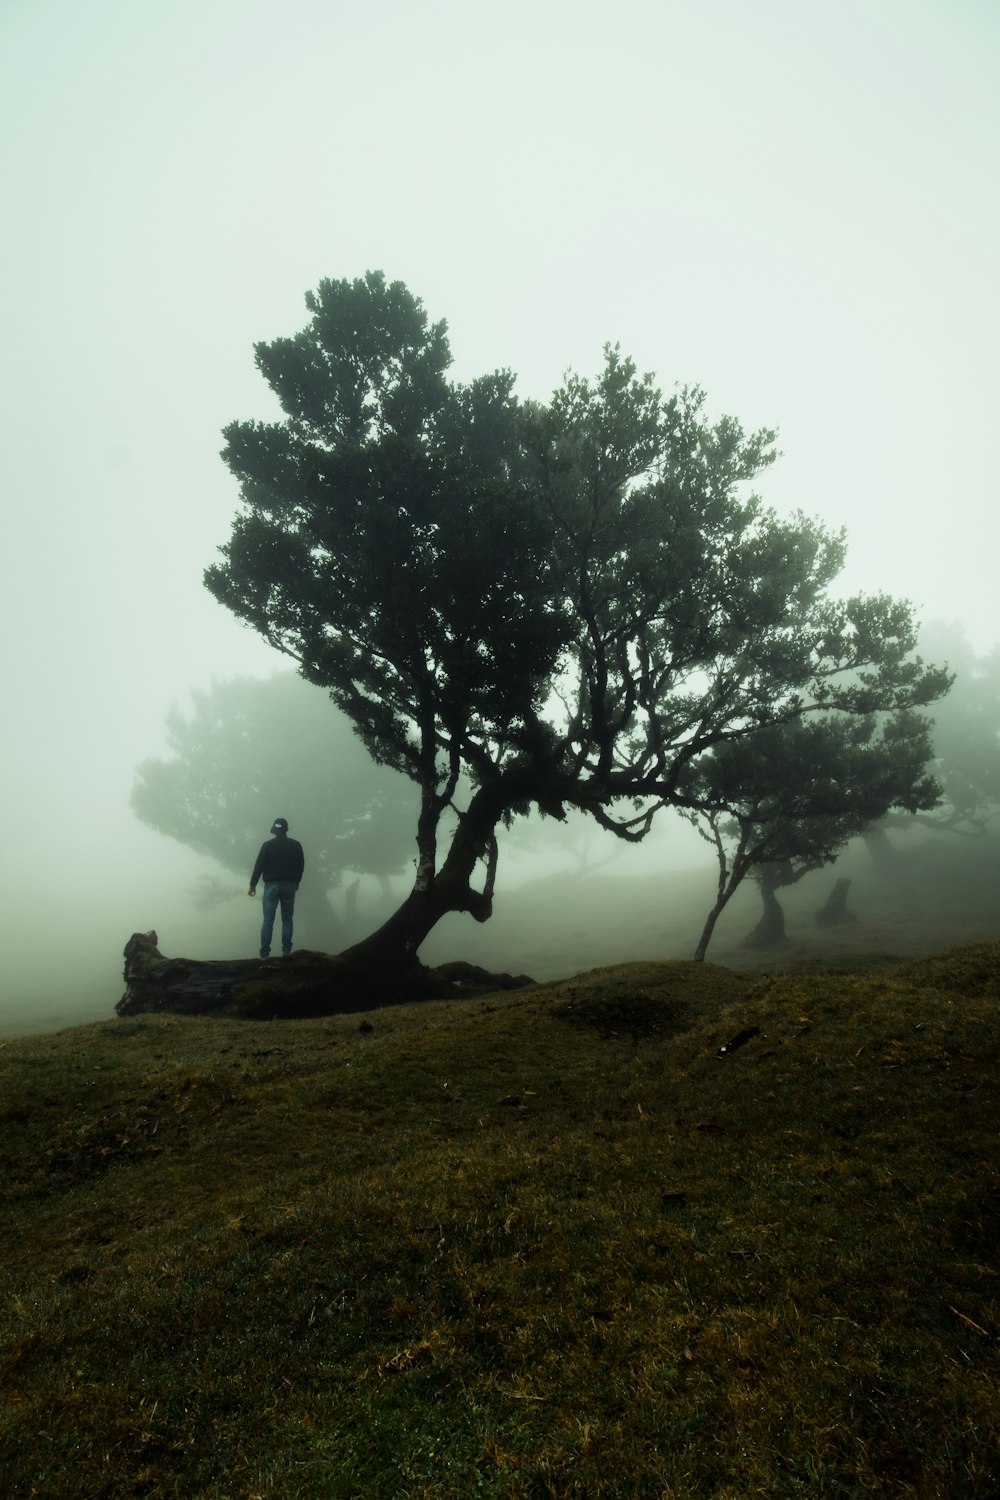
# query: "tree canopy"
[[789, 797], [573, 602]]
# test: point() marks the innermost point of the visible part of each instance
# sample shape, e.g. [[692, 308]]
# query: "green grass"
[[541, 1244]]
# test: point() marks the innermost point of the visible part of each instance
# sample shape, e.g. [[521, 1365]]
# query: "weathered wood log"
[[305, 984]]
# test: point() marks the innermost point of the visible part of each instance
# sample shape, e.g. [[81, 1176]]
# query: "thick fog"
[[789, 205]]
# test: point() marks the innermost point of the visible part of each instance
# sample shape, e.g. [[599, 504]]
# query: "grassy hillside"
[[548, 1243]]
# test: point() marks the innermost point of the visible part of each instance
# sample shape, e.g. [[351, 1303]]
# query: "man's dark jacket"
[[281, 858]]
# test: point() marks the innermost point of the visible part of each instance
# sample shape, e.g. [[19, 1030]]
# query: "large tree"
[[570, 602], [784, 801], [249, 750]]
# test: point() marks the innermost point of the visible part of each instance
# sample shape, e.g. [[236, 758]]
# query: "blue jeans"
[[276, 891]]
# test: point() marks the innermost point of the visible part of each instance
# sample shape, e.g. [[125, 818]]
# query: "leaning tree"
[[559, 605], [785, 800]]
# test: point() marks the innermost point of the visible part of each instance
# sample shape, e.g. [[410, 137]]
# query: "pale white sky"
[[793, 204]]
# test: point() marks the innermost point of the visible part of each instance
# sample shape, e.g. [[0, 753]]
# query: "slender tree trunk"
[[731, 876], [709, 928]]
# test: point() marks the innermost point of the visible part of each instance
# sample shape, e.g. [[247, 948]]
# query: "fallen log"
[[302, 985]]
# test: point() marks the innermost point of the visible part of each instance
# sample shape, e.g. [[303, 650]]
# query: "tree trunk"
[[708, 929], [834, 911], [730, 879], [390, 952], [770, 930]]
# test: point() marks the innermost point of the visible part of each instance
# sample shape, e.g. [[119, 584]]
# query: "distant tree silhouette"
[[966, 736], [966, 754], [250, 750]]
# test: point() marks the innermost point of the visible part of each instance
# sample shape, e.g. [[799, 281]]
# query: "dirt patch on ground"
[[644, 999]]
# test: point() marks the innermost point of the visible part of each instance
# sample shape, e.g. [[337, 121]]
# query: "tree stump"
[[834, 911]]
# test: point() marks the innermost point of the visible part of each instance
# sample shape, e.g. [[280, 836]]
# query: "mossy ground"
[[544, 1243]]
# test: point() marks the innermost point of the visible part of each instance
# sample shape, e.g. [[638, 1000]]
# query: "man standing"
[[281, 863]]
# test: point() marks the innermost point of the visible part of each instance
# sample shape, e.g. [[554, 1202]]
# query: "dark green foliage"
[[393, 558], [787, 799], [569, 605]]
